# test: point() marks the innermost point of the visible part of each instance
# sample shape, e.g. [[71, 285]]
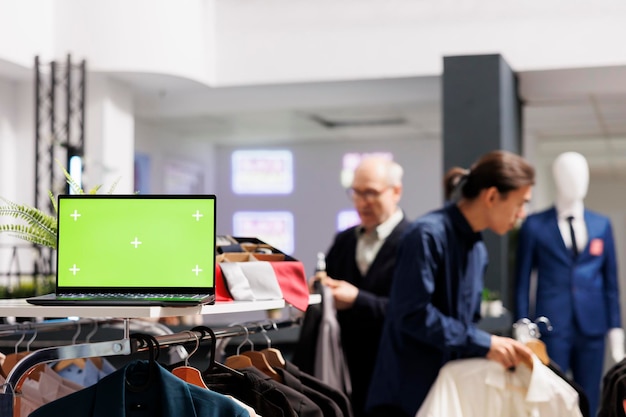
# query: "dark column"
[[481, 113]]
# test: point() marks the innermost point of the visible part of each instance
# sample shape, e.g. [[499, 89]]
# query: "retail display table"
[[19, 307]]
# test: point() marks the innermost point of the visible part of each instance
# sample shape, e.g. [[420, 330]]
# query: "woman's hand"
[[509, 352]]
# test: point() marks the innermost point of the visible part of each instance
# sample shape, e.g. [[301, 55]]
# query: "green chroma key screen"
[[133, 241]]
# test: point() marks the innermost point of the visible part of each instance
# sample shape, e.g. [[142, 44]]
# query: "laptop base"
[[54, 300]]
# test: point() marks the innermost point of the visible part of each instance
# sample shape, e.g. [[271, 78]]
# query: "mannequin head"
[[571, 177]]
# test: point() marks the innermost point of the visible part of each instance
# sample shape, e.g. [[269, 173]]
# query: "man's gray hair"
[[394, 173]]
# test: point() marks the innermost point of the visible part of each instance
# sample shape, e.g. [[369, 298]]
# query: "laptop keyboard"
[[132, 296]]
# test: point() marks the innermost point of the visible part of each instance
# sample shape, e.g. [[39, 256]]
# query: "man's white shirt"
[[479, 387]]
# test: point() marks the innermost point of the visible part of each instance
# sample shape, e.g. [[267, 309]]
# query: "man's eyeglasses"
[[368, 195]]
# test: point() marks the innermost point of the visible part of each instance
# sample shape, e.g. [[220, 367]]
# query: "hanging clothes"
[[328, 407], [613, 396], [164, 395], [319, 350], [301, 405], [480, 387], [49, 387], [264, 397], [339, 397]]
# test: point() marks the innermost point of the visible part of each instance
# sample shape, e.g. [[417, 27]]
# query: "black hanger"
[[214, 366], [154, 350]]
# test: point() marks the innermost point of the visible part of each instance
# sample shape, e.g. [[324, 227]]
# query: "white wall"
[[17, 150], [8, 139], [151, 36], [239, 42], [164, 146], [299, 40], [26, 30], [317, 196], [109, 136]]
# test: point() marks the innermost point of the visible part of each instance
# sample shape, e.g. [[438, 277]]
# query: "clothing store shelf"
[[19, 307]]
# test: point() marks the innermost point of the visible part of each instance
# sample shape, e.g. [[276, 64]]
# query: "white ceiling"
[[576, 109], [580, 108]]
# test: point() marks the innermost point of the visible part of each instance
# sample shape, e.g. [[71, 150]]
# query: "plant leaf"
[[41, 227], [29, 234], [73, 185]]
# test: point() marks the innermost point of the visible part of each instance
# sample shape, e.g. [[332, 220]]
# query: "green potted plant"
[[38, 227]]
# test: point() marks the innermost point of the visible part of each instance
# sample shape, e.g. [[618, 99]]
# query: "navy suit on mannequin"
[[577, 287]]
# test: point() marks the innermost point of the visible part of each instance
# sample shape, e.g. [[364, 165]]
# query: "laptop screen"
[[136, 242]]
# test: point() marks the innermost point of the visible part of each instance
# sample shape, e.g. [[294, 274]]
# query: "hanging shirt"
[[480, 387]]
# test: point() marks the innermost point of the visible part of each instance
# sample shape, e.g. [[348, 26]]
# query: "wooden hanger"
[[189, 373], [251, 358], [240, 361], [65, 363], [539, 349], [2, 358], [260, 362], [274, 356], [97, 361], [12, 359]]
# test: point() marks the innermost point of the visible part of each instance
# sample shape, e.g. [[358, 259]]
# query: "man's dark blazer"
[[582, 289], [361, 325]]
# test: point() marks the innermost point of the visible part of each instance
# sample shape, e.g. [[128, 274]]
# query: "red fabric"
[[293, 283], [221, 292]]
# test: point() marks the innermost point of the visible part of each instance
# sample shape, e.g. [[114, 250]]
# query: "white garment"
[[249, 409], [250, 281], [480, 387], [578, 224]]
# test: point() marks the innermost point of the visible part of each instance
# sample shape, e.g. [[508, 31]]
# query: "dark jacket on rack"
[[164, 395], [302, 405], [614, 391], [328, 407], [310, 381], [263, 397], [267, 396]]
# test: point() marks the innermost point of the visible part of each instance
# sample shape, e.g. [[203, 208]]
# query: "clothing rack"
[[126, 346], [34, 327]]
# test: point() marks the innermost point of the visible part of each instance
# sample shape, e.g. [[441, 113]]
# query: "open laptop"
[[134, 250]]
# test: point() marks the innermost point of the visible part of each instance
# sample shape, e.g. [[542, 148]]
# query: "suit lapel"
[[592, 233], [553, 229]]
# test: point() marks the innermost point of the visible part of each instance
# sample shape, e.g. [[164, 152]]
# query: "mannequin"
[[577, 287]]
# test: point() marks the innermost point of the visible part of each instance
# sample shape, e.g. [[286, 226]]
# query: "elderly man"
[[359, 267]]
